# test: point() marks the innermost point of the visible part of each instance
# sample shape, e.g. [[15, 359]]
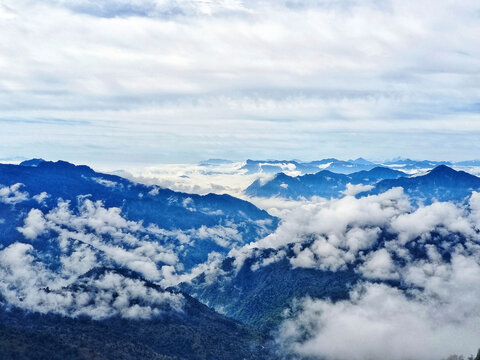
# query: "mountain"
[[374, 175], [276, 166], [324, 183], [468, 163], [362, 161], [348, 167], [440, 184], [412, 165], [31, 162], [197, 332], [258, 297], [88, 260], [213, 162], [331, 164], [94, 266], [217, 221], [261, 286]]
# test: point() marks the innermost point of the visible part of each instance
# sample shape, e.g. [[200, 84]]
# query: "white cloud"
[[223, 236], [432, 315], [380, 322], [40, 198], [12, 194], [104, 182], [31, 281], [336, 229], [385, 241], [104, 230], [445, 217], [353, 190], [34, 225], [379, 265], [27, 282], [196, 179], [92, 236]]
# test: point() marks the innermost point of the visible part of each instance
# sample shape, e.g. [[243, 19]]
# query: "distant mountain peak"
[[32, 162], [282, 175], [442, 183], [444, 170], [64, 165], [362, 161], [383, 169], [209, 162]]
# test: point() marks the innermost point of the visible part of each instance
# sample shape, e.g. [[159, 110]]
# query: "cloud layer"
[[419, 270], [197, 79], [70, 260]]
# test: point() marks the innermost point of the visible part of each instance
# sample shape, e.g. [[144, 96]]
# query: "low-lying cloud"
[[12, 194], [419, 270], [27, 282], [47, 272]]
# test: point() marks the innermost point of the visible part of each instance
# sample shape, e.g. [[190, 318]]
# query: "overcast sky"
[[150, 81]]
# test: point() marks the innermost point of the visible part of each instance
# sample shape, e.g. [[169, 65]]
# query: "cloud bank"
[[419, 269], [29, 284], [74, 258]]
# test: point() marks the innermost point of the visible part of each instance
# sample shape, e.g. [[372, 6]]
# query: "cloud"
[[67, 242], [197, 179], [40, 198], [443, 217], [223, 236], [379, 265], [84, 239], [353, 190], [194, 79], [333, 231], [106, 183], [34, 225], [151, 8], [126, 243], [381, 322], [419, 271], [12, 194], [26, 282]]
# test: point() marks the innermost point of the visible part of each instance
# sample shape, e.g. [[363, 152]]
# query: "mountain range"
[[343, 166], [334, 165], [95, 266], [324, 183], [41, 186], [439, 184]]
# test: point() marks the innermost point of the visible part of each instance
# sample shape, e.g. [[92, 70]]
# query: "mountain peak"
[[32, 162], [443, 170], [63, 166], [362, 161]]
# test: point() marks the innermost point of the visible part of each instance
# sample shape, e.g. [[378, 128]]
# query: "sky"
[[123, 82]]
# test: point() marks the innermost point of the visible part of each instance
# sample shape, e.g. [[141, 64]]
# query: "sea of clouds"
[[406, 306], [45, 273], [419, 267]]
